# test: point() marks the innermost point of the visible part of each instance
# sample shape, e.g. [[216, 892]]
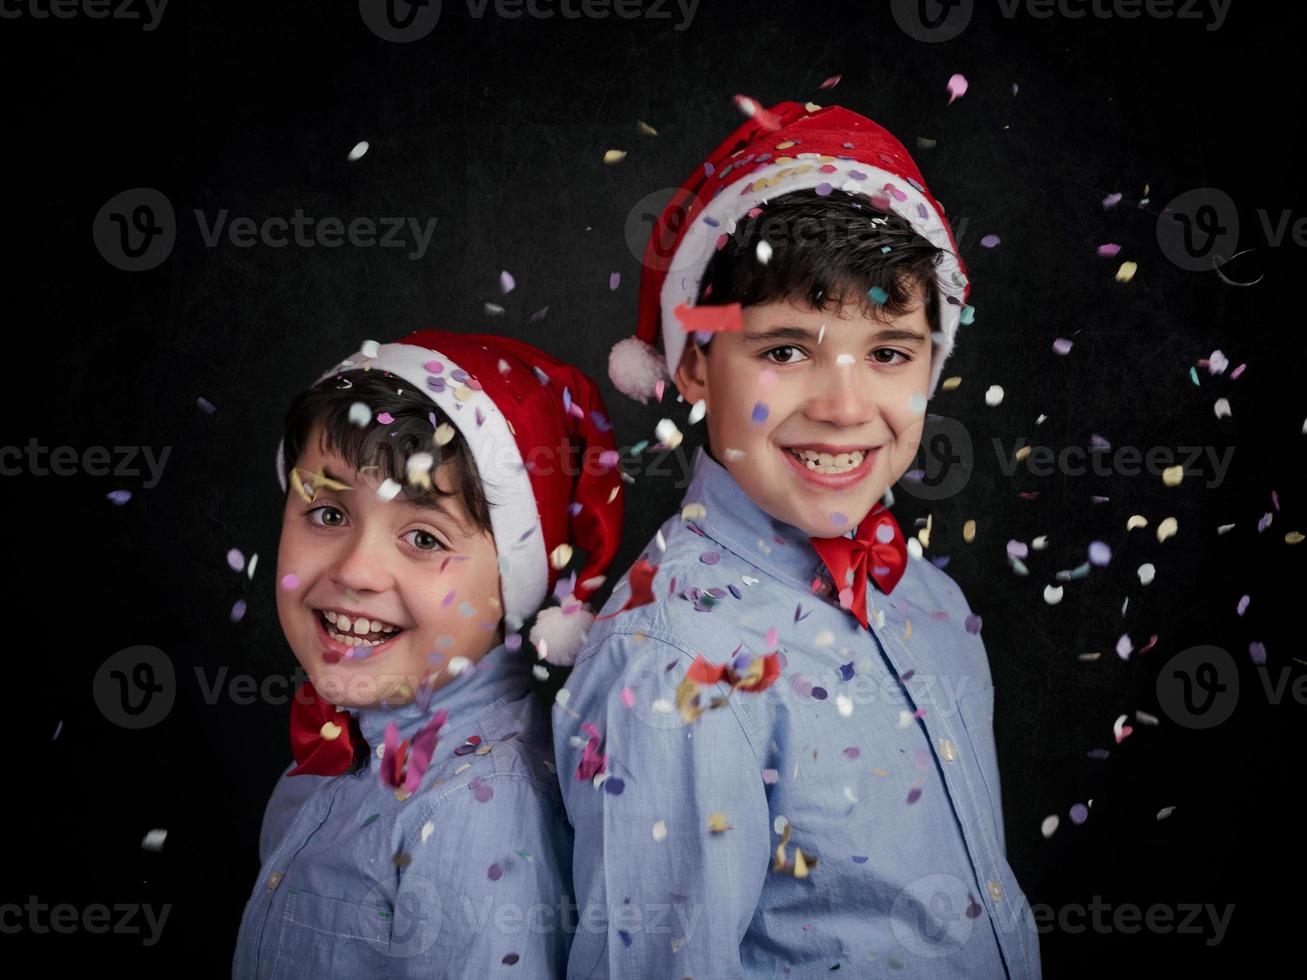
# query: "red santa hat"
[[526, 417], [785, 148]]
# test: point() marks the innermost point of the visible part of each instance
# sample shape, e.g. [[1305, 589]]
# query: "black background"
[[497, 128]]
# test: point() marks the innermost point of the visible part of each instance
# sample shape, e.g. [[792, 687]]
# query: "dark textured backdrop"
[[497, 129]]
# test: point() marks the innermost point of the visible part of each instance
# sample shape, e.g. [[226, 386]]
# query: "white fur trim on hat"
[[559, 632], [730, 205], [514, 516]]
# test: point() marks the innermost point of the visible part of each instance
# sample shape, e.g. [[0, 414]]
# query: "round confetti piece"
[[494, 872], [290, 581]]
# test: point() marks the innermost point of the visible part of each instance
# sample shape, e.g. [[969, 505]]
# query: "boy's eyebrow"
[[805, 335], [425, 502]]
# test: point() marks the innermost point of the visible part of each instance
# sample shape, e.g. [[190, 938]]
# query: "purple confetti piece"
[[1264, 522], [509, 959], [717, 593], [1111, 201], [119, 497], [771, 776], [513, 642], [1243, 605], [205, 405], [436, 384], [710, 557], [1099, 554], [1098, 442], [846, 671], [760, 412], [614, 280], [449, 597], [914, 794], [574, 508], [973, 623], [989, 241], [1275, 499], [735, 592], [238, 611], [600, 422], [823, 189], [624, 936], [495, 872], [1017, 549], [235, 560], [506, 282], [1061, 346], [1079, 813], [819, 693], [859, 859], [614, 786], [1257, 650], [852, 752], [1108, 249], [458, 375], [483, 793]]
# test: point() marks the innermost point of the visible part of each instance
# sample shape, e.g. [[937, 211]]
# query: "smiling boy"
[[431, 506], [778, 755]]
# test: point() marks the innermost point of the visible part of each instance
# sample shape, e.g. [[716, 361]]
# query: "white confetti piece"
[[993, 395], [360, 148], [388, 490]]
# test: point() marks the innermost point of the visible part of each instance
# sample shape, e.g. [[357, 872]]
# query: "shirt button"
[[274, 879], [947, 749], [995, 892]]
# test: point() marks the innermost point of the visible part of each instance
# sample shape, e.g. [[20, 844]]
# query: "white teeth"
[[343, 623], [331, 616], [826, 463], [362, 627]]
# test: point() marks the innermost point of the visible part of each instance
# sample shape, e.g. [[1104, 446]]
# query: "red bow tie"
[[323, 738], [878, 550]]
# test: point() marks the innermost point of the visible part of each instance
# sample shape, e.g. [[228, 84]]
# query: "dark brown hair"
[[386, 447]]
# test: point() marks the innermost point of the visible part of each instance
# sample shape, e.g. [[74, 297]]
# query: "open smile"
[[352, 636], [830, 467]]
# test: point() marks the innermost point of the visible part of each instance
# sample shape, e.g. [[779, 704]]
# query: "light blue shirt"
[[874, 747], [470, 870]]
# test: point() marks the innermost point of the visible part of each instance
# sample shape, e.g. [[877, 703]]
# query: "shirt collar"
[[501, 675], [738, 524]]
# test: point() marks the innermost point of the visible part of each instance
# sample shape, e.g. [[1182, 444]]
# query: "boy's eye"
[[891, 351], [423, 540], [784, 354], [326, 516]]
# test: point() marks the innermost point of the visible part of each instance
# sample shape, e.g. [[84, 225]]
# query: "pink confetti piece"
[[1108, 250], [1237, 371], [614, 280], [1061, 346], [385, 418], [628, 697], [506, 282], [830, 82], [957, 87], [290, 581], [1111, 201], [772, 638], [754, 110], [236, 560]]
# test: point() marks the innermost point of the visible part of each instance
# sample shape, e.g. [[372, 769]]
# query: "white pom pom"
[[559, 631], [635, 368]]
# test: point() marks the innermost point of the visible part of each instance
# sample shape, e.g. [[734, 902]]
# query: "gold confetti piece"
[[1167, 528], [969, 531], [462, 393], [659, 830], [692, 512], [907, 629], [307, 493], [614, 156], [876, 770], [811, 106], [948, 384], [613, 494], [785, 145], [1173, 475], [1293, 537], [1126, 272], [924, 534], [645, 128], [330, 731], [1022, 453], [444, 434], [717, 823], [560, 556], [1136, 520], [463, 768]]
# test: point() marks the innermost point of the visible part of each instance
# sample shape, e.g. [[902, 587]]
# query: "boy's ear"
[[692, 373]]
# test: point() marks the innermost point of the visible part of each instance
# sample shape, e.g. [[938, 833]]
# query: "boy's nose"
[[358, 566], [842, 396]]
